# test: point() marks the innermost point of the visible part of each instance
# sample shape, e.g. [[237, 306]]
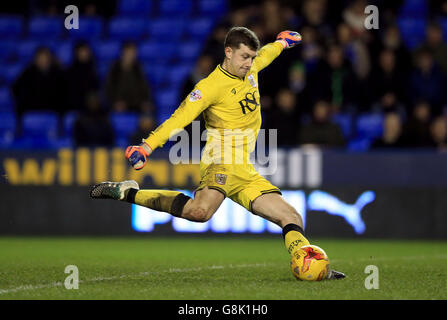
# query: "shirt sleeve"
[[267, 54], [194, 104]]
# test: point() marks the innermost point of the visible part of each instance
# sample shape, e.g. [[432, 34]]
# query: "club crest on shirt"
[[220, 178], [195, 95], [252, 81]]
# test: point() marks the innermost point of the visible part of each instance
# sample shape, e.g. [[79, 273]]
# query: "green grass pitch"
[[206, 268]]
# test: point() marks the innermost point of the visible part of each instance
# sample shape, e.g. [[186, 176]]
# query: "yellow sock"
[[161, 200], [293, 238]]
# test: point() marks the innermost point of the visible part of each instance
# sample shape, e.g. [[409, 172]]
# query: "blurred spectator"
[[321, 130], [214, 46], [392, 40], [354, 16], [284, 117], [438, 8], [310, 50], [438, 130], [416, 130], [427, 81], [239, 17], [314, 13], [435, 45], [290, 17], [81, 77], [272, 15], [41, 85], [146, 124], [93, 127], [126, 85], [386, 79], [297, 78], [389, 103], [392, 132], [298, 85], [204, 66], [355, 50], [333, 80]]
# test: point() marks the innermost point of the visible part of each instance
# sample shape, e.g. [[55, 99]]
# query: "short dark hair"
[[238, 35]]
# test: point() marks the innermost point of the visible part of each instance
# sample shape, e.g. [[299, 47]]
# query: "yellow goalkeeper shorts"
[[239, 182]]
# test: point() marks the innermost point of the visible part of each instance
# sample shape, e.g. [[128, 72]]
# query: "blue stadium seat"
[[42, 27], [6, 101], [89, 28], [166, 101], [7, 50], [125, 28], [177, 74], [212, 7], [163, 28], [414, 8], [11, 27], [124, 125], [10, 72], [7, 128], [63, 142], [64, 52], [200, 28], [189, 50], [42, 124], [412, 31], [106, 50], [39, 130], [443, 23], [68, 122], [27, 48], [156, 74], [369, 125], [103, 68], [344, 120], [153, 51], [177, 7], [134, 7], [359, 145]]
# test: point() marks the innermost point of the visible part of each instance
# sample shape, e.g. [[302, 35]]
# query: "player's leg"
[[199, 209], [205, 203], [274, 208]]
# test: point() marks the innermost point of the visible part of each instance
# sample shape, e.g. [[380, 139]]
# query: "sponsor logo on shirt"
[[195, 95], [252, 81]]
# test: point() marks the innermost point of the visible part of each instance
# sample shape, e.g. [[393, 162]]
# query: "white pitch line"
[[375, 258], [129, 276], [172, 270]]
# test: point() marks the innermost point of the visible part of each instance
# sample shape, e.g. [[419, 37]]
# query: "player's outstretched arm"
[[288, 38], [197, 101], [269, 52]]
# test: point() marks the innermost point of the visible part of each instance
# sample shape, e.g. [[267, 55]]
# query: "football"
[[310, 263]]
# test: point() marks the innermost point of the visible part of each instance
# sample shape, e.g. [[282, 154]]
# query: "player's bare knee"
[[291, 216], [199, 214]]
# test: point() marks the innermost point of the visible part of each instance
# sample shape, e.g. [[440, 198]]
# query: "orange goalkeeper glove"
[[289, 38], [137, 155]]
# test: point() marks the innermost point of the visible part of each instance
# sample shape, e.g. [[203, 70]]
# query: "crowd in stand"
[[339, 68], [343, 68]]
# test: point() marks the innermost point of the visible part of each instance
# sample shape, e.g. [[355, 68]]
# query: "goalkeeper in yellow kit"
[[230, 102]]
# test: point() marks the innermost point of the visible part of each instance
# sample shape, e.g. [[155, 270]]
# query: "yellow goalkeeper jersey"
[[231, 110]]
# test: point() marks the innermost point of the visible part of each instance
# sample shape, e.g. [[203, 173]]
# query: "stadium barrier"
[[372, 195]]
